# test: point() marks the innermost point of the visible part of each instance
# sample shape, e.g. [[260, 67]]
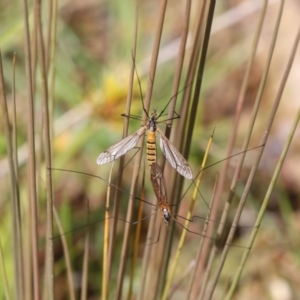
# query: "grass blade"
[[67, 256], [2, 266], [31, 152], [105, 272], [13, 188], [85, 266]]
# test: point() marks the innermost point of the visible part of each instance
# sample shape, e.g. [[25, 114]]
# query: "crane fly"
[[176, 160]]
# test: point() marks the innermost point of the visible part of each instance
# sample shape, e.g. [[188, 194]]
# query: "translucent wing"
[[120, 148], [176, 160]]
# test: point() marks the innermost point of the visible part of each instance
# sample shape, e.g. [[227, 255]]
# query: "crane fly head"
[[166, 214]]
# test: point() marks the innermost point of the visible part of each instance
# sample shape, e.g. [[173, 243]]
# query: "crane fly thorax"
[[152, 122]]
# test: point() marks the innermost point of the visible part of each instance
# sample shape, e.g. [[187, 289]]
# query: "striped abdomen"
[[151, 147]]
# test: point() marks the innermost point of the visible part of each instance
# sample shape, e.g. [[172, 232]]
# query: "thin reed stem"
[[193, 280], [105, 272], [31, 154], [13, 186], [85, 264], [48, 154], [17, 213], [178, 70], [137, 239], [122, 159], [198, 83], [4, 276], [146, 264], [51, 66], [66, 255]]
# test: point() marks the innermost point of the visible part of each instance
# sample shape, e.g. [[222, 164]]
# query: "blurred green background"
[[93, 61]]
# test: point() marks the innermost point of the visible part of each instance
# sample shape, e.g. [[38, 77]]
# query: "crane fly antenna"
[[140, 86], [142, 97], [173, 118], [171, 100]]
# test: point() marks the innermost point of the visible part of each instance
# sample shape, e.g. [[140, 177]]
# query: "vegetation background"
[[88, 56]]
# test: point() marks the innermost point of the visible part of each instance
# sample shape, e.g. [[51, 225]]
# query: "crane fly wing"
[[119, 149], [176, 160]]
